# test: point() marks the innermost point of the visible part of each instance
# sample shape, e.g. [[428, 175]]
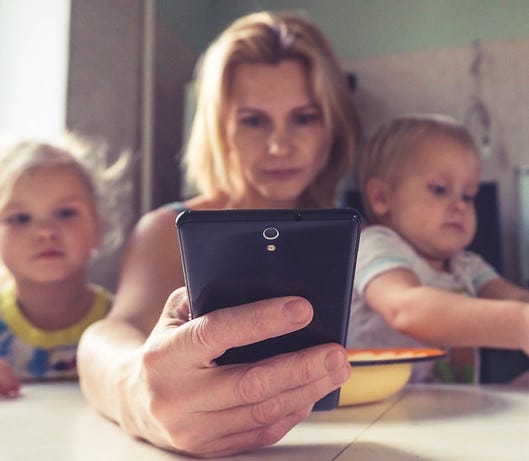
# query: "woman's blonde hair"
[[269, 38], [393, 144]]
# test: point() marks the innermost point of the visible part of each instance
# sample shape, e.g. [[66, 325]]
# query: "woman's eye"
[[66, 213], [306, 118], [19, 219], [437, 189], [253, 121]]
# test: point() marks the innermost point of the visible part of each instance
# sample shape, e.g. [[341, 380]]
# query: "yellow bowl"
[[379, 373]]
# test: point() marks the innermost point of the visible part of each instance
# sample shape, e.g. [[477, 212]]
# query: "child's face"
[[48, 226], [431, 203]]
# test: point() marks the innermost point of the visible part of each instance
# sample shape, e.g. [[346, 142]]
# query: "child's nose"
[[46, 229], [460, 203]]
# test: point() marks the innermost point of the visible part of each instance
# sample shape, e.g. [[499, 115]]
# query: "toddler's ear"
[[98, 235], [377, 191]]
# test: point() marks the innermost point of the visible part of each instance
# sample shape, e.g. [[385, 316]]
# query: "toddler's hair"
[[392, 145], [110, 186]]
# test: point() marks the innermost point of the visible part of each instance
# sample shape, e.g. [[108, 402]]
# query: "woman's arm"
[[441, 317], [109, 348], [151, 269]]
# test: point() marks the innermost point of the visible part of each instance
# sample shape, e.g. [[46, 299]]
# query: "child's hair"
[[393, 144], [269, 38], [110, 187]]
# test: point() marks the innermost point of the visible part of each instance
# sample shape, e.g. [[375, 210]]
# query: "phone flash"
[[271, 247]]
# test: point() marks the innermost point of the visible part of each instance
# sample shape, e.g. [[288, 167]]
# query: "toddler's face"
[[431, 204], [48, 226]]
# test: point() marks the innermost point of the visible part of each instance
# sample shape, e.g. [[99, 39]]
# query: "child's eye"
[[437, 189], [66, 213], [306, 118], [18, 219], [469, 198]]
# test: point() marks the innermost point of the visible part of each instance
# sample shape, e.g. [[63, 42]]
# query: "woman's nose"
[[279, 143]]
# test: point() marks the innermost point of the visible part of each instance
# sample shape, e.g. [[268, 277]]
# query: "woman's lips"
[[282, 173]]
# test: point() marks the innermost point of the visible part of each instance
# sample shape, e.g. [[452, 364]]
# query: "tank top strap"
[[177, 207]]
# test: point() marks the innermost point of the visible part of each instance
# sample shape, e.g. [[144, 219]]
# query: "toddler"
[[50, 228], [415, 283]]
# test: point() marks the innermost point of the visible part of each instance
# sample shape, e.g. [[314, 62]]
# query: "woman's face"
[[276, 132]]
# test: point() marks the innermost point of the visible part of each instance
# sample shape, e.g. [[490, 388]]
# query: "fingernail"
[[296, 311], [334, 360]]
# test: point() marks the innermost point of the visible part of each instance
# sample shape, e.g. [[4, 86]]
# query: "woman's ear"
[[377, 192]]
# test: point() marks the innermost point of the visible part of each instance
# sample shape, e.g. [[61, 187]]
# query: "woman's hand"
[[522, 380], [178, 398], [9, 383]]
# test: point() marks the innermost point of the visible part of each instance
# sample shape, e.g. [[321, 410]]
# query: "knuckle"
[[301, 414], [202, 336], [251, 387], [175, 299], [303, 368], [271, 435], [267, 412]]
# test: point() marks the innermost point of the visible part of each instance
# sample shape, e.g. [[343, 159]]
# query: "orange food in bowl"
[[380, 373]]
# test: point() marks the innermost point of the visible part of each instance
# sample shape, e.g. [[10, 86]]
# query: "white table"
[[52, 422]]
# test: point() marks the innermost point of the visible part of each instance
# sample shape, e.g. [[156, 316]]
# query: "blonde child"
[[416, 284], [50, 229]]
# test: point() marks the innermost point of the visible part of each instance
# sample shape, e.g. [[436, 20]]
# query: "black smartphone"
[[234, 257]]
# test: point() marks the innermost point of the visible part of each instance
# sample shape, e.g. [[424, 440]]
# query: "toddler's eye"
[[469, 198], [66, 213], [437, 189], [19, 219]]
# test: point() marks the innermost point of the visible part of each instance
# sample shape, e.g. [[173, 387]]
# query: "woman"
[[274, 128]]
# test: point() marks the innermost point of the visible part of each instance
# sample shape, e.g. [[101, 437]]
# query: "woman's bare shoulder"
[[160, 222], [203, 202], [155, 220]]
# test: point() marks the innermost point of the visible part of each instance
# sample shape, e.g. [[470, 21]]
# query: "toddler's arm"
[[441, 317], [499, 288]]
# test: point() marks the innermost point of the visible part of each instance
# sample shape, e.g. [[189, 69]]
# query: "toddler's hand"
[[9, 383]]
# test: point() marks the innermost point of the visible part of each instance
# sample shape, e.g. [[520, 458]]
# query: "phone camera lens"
[[270, 233]]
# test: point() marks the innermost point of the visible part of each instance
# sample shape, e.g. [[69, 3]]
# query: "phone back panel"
[[228, 261]]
